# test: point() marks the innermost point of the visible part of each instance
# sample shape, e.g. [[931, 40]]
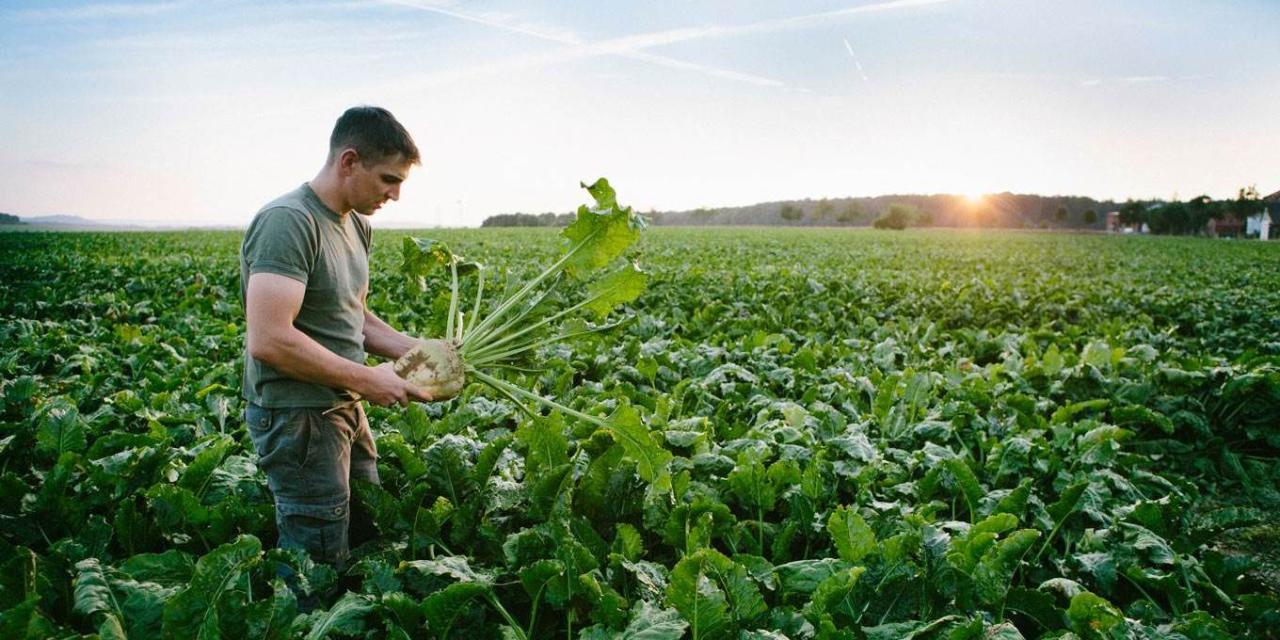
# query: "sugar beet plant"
[[533, 315], [525, 320]]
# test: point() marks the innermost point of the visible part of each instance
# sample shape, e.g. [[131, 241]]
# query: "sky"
[[199, 112]]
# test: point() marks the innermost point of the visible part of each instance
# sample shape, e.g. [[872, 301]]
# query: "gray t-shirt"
[[297, 236]]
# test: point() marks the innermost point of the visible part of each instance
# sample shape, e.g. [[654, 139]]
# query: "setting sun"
[[974, 198]]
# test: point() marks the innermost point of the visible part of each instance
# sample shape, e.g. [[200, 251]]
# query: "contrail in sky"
[[576, 48], [633, 46], [853, 55]]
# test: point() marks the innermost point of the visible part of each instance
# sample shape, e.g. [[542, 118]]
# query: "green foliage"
[[1248, 203], [344, 617], [1093, 617], [60, 428], [1193, 216], [853, 538], [93, 598], [992, 436], [604, 231], [194, 612], [1133, 213], [648, 622], [621, 286], [714, 594], [898, 217], [850, 213]]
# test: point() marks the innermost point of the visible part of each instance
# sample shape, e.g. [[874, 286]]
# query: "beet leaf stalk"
[[504, 334]]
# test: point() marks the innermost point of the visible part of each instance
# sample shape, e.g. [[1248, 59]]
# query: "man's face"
[[371, 187]]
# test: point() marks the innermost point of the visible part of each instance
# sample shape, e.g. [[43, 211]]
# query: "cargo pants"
[[310, 459]]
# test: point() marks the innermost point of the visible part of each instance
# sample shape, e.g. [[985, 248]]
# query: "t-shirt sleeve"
[[365, 230], [281, 241]]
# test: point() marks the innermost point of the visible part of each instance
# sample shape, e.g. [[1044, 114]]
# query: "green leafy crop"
[[795, 433]]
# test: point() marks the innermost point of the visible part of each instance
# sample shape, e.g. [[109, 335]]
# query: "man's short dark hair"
[[375, 135]]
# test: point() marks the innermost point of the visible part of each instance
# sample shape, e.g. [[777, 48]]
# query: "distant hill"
[[994, 210], [70, 222], [64, 222]]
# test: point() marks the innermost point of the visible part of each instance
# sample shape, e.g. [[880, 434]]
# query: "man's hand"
[[383, 387], [272, 303]]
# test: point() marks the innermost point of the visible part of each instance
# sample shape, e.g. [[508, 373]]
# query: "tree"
[[1246, 205], [547, 219], [1132, 212], [1171, 217], [1200, 210], [899, 217], [1090, 217], [824, 210], [1061, 214], [851, 213], [8, 218], [1158, 219], [791, 213]]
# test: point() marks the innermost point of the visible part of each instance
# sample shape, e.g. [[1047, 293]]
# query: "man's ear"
[[347, 160]]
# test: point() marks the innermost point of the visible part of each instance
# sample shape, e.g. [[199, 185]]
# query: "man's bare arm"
[[382, 340], [272, 303]]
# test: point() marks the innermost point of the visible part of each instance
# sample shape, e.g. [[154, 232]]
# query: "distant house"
[[1115, 226], [1261, 225], [1227, 225], [1113, 221]]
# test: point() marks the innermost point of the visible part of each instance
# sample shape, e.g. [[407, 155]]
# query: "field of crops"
[[851, 434]]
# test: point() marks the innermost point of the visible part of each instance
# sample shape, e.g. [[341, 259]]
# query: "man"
[[304, 269]]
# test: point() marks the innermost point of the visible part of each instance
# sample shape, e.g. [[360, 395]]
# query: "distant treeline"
[[1200, 215], [994, 210], [528, 220], [8, 218]]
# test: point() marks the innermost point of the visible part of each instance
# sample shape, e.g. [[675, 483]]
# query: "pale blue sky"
[[201, 111]]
